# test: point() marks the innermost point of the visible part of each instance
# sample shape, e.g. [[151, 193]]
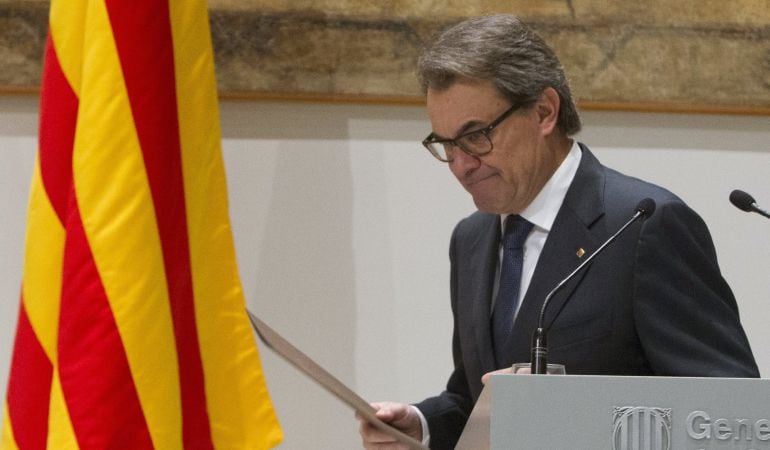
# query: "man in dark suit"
[[654, 303]]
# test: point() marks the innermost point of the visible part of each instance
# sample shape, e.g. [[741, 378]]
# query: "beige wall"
[[342, 221]]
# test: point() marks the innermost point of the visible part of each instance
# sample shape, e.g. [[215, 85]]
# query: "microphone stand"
[[539, 354]]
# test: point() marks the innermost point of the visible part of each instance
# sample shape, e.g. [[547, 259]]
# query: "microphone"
[[744, 201], [539, 354]]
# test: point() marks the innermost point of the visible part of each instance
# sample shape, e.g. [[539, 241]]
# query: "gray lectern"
[[635, 413]]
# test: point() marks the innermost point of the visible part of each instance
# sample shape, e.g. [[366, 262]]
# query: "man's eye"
[[474, 138]]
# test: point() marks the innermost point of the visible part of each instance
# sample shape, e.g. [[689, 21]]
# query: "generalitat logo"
[[641, 427]]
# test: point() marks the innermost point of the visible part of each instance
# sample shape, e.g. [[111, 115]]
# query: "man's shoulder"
[[622, 188], [478, 219], [620, 191], [619, 184], [475, 226]]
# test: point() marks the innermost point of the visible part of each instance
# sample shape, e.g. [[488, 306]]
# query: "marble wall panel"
[[314, 54], [22, 39], [709, 54], [636, 11], [652, 63]]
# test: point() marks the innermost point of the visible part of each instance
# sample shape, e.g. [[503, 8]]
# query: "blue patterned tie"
[[516, 231]]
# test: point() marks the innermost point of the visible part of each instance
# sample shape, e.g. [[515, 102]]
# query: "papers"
[[310, 368]]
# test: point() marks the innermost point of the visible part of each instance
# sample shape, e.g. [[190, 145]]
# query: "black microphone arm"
[[744, 201], [539, 355]]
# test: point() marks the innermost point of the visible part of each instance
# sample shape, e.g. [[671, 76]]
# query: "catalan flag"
[[132, 330]]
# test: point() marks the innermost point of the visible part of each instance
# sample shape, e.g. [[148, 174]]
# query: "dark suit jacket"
[[654, 303]]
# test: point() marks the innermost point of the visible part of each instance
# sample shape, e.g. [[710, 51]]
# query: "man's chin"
[[487, 206]]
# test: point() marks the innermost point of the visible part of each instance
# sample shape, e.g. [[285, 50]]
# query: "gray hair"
[[504, 50]]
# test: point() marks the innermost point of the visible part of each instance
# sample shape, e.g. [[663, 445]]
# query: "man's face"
[[508, 178]]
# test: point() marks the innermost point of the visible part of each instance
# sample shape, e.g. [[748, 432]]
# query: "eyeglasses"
[[474, 143]]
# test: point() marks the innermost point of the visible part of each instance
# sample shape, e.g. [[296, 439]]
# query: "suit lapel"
[[571, 231], [484, 256]]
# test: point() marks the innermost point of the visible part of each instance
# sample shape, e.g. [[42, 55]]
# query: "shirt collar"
[[543, 209]]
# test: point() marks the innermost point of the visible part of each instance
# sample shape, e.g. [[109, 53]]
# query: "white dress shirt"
[[541, 213]]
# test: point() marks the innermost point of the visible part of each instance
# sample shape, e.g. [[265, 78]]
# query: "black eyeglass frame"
[[433, 139]]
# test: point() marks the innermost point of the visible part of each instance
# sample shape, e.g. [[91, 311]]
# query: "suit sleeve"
[[685, 313], [447, 413]]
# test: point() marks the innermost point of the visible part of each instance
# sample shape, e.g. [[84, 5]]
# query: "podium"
[[578, 412]]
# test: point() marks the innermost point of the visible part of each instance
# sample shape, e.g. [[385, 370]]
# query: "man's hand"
[[398, 415], [485, 378]]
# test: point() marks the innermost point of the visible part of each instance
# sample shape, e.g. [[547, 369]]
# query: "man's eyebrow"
[[468, 126]]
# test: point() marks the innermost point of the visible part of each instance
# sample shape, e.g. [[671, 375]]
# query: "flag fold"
[[132, 331]]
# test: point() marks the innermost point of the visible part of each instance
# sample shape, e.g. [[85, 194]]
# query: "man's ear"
[[547, 108]]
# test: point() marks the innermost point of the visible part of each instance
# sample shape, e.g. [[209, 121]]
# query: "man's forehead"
[[463, 106]]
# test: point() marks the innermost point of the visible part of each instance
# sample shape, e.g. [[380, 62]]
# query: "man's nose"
[[462, 161]]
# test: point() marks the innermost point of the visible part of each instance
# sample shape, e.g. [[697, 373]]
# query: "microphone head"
[[742, 200], [646, 207]]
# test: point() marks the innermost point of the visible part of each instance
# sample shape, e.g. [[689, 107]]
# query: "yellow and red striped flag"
[[132, 331]]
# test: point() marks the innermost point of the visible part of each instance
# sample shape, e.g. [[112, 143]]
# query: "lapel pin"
[[580, 252]]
